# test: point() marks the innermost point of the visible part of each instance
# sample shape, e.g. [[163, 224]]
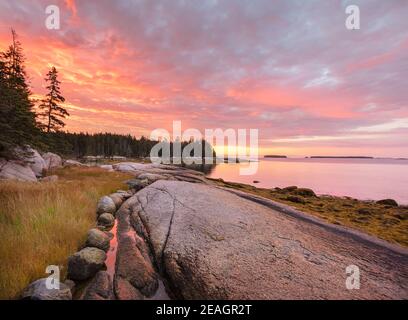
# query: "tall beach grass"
[[43, 223]]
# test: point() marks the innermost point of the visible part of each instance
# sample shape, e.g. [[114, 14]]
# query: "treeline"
[[79, 145], [21, 126]]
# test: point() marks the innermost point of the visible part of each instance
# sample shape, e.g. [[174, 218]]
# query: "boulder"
[[100, 288], [212, 243], [16, 170], [118, 198], [388, 202], [106, 220], [52, 160], [98, 239], [38, 291], [86, 263], [105, 205], [36, 162]]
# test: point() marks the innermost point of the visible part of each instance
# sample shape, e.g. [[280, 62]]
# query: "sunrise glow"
[[309, 85]]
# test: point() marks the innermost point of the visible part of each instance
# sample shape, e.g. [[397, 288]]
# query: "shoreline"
[[384, 221]]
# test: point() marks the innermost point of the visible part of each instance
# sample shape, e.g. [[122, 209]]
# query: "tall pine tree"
[[52, 112], [17, 119]]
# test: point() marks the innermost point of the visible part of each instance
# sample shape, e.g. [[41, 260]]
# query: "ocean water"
[[366, 179]]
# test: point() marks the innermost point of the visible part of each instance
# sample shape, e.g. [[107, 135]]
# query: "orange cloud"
[[71, 5]]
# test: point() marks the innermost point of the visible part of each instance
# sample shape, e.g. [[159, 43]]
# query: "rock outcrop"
[[30, 166], [210, 243], [135, 275]]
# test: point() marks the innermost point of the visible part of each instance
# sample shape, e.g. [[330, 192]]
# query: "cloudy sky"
[[288, 68]]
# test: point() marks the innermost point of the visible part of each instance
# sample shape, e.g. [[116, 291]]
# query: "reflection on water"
[[111, 254], [110, 262], [359, 178]]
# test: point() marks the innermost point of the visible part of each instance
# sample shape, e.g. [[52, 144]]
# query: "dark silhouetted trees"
[[51, 112], [18, 127]]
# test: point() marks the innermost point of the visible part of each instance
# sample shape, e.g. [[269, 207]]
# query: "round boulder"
[[106, 220], [38, 290], [105, 204], [85, 263], [98, 239], [117, 199], [52, 160]]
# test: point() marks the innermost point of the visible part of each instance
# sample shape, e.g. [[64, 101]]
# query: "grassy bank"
[[43, 223], [383, 221]]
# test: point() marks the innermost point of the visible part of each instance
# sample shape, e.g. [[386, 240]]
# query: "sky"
[[290, 69]]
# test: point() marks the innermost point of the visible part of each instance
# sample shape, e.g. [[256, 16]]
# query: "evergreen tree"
[[17, 119], [52, 112]]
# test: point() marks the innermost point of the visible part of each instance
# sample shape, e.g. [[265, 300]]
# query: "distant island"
[[341, 157], [275, 156]]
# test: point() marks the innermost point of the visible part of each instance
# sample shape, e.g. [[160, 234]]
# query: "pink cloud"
[[134, 66]]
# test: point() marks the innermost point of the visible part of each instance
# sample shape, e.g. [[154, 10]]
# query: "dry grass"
[[43, 223], [385, 222]]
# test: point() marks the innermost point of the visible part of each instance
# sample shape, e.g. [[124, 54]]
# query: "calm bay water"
[[366, 179]]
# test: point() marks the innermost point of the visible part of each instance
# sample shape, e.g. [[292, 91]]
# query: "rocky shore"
[[176, 234]]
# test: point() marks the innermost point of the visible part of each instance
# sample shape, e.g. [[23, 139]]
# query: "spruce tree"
[[52, 112], [17, 119]]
